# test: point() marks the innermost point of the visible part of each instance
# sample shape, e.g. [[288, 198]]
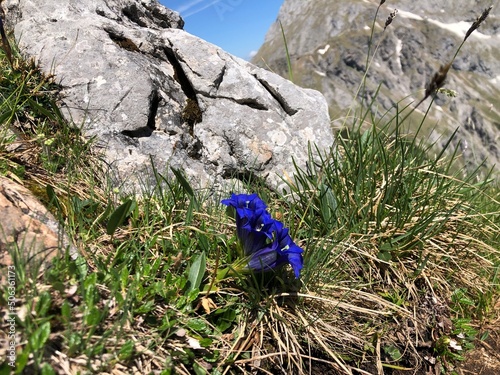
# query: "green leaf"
[[126, 351], [47, 370], [197, 325], [328, 204], [39, 109], [106, 213], [43, 304], [124, 278], [197, 271], [118, 216], [40, 336], [182, 180], [5, 117], [212, 357], [227, 319], [385, 252], [222, 273], [5, 368], [66, 312], [74, 343], [192, 295], [53, 199], [189, 212], [193, 204], [205, 342], [199, 370], [89, 286], [385, 256], [484, 336], [386, 247], [145, 307], [81, 266], [204, 242], [93, 317], [22, 361], [393, 352]]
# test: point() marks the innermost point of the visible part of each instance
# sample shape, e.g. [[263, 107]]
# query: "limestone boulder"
[[150, 92]]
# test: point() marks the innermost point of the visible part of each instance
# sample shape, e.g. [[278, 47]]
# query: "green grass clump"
[[401, 257], [34, 137]]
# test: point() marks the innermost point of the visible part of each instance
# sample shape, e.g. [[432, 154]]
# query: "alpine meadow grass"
[[395, 255]]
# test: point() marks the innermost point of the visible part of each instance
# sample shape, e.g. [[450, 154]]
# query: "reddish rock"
[[25, 224]]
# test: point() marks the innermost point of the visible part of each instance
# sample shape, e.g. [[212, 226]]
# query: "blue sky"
[[238, 26]]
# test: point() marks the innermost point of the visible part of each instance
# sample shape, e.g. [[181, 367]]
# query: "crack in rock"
[[249, 102], [277, 96], [121, 99], [218, 80], [192, 105], [121, 40], [154, 101], [146, 131]]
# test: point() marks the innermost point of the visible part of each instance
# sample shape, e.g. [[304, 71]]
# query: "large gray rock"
[[328, 43], [146, 90]]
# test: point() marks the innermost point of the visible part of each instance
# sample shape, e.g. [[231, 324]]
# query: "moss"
[[191, 114]]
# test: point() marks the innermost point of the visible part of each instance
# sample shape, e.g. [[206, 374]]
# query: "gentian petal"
[[249, 201], [289, 252], [251, 240], [264, 259], [263, 222], [297, 263]]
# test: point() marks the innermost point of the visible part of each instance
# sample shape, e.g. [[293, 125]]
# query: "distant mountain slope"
[[328, 42]]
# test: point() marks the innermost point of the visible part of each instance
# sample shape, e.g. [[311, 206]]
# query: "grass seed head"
[[391, 17], [438, 80], [479, 20]]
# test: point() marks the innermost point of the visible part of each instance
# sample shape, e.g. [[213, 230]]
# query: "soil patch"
[[485, 358]]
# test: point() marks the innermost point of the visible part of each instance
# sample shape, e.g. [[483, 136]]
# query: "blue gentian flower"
[[266, 243], [289, 252]]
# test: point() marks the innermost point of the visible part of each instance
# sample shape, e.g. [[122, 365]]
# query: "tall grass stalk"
[[288, 60]]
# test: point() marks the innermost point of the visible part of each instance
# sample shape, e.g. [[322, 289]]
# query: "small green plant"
[[32, 314]]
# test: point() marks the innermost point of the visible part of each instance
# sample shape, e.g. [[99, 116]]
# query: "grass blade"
[[118, 217], [197, 271]]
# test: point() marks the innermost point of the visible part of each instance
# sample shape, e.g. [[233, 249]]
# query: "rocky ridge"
[[149, 91], [328, 43]]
